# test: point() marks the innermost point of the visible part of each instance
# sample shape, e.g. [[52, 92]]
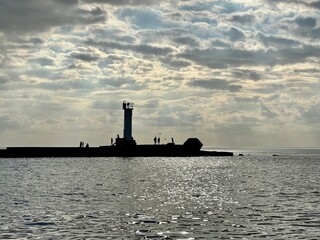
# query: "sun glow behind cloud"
[[233, 73]]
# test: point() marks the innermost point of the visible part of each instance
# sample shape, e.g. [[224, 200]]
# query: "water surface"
[[250, 197]]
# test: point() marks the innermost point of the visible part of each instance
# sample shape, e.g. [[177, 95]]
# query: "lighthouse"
[[127, 130]]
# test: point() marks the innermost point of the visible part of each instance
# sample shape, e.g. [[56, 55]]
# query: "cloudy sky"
[[230, 72]]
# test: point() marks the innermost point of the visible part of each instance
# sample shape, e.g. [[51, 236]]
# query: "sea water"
[[254, 196]]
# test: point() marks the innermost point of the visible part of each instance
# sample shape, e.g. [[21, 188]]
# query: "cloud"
[[123, 2], [216, 84], [266, 112], [94, 15], [66, 85], [3, 79], [254, 76], [277, 41], [315, 33], [306, 3], [42, 61], [223, 58], [87, 57], [151, 103], [36, 15], [140, 48], [244, 19], [315, 4], [312, 113], [236, 34], [117, 82], [188, 40], [171, 62], [7, 122], [112, 105], [306, 22]]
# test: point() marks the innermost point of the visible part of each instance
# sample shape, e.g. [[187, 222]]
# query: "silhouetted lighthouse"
[[127, 131]]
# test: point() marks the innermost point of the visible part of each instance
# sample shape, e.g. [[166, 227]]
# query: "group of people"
[[82, 144], [157, 140], [113, 142]]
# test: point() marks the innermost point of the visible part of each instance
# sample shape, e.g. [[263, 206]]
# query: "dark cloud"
[[315, 4], [246, 74], [94, 15], [219, 43], [122, 2], [87, 57], [307, 22], [175, 63], [277, 41], [207, 20], [235, 34], [315, 33], [142, 48], [3, 58], [254, 76], [216, 84], [190, 41], [307, 3], [243, 19], [3, 79], [224, 58], [309, 70], [37, 15]]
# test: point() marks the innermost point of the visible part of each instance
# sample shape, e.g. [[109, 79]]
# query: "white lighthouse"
[[127, 130]]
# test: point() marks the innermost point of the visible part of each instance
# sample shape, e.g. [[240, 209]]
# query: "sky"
[[234, 73]]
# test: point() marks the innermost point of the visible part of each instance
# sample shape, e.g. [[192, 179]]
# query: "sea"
[[264, 194]]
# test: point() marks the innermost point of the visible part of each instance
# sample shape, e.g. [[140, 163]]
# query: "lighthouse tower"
[[127, 130]]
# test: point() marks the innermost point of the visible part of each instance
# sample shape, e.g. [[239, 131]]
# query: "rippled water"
[[250, 197]]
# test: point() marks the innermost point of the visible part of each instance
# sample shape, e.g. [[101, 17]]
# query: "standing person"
[[111, 141], [172, 140], [158, 140], [155, 140]]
